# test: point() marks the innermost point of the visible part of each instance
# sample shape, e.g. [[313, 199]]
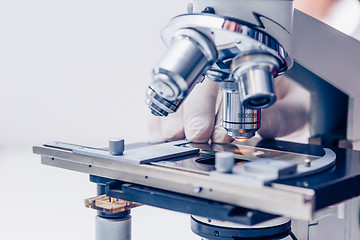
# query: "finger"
[[154, 128], [219, 134], [172, 126], [199, 112], [289, 114]]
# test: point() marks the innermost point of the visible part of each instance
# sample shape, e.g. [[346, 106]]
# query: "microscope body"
[[244, 45], [250, 42], [228, 42], [273, 17]]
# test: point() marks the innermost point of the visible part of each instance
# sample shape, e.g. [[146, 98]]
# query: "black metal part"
[[185, 204], [213, 232], [210, 10], [338, 179], [286, 146], [342, 179]]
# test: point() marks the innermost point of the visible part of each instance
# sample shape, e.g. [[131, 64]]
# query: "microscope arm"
[[327, 63]]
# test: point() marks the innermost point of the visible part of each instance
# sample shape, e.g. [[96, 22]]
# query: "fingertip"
[[175, 135], [172, 127], [220, 135], [198, 129], [199, 112], [154, 127]]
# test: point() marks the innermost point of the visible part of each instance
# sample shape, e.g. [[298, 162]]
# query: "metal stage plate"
[[296, 197]]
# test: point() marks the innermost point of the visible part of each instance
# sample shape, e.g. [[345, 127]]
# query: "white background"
[[74, 71]]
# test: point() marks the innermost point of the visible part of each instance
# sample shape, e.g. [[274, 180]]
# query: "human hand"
[[289, 114], [200, 117]]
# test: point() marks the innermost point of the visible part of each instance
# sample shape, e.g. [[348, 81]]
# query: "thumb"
[[199, 112]]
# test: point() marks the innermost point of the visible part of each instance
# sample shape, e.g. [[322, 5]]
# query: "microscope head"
[[243, 44]]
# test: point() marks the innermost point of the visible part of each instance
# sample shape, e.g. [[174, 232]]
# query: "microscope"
[[244, 45], [258, 189], [230, 42]]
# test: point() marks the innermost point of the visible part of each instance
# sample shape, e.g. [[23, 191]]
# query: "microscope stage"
[[192, 174]]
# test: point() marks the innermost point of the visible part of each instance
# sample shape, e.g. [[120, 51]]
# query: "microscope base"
[[278, 228]]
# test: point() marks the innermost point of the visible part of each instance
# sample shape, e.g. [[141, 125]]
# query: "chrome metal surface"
[[224, 162], [196, 41], [113, 229], [274, 18], [116, 146], [239, 122], [189, 54], [216, 74], [297, 202], [228, 33], [160, 106], [140, 155], [241, 131], [255, 72]]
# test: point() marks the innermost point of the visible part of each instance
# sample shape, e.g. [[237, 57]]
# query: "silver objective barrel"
[[190, 53], [255, 72], [239, 122]]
